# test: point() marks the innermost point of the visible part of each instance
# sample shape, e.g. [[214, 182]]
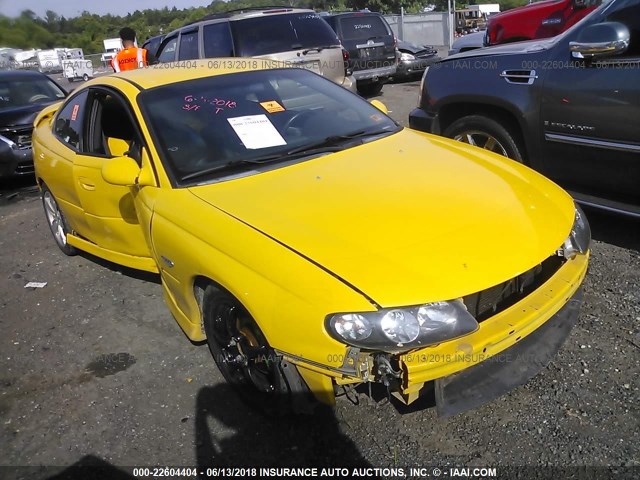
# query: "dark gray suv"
[[371, 45], [568, 106], [297, 37]]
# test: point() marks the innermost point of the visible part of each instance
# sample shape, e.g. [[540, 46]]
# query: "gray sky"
[[73, 8]]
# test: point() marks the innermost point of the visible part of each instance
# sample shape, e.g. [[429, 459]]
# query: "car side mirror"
[[380, 106], [122, 171], [601, 40]]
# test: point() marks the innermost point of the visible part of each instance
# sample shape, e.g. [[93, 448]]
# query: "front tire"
[[486, 133], [245, 358], [57, 222]]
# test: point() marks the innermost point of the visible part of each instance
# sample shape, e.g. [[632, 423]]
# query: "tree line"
[[88, 30]]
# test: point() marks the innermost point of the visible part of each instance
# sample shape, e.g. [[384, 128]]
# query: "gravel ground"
[[94, 370]]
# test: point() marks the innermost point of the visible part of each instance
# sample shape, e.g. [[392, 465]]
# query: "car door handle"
[[87, 185]]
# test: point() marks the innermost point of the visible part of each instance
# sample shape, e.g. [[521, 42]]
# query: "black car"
[[414, 59], [23, 94], [568, 106], [371, 45]]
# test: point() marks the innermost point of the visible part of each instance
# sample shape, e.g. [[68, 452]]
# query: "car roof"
[[357, 13], [174, 72], [21, 74], [251, 12]]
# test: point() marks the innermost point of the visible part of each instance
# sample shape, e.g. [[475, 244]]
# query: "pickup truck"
[[542, 19]]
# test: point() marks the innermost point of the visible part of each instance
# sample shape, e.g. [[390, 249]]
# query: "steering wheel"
[[186, 148], [38, 96], [295, 118]]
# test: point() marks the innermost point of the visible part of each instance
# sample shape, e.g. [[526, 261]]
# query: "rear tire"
[[486, 133], [370, 89], [57, 222], [246, 360], [85, 77]]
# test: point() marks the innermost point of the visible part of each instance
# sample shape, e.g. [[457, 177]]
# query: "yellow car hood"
[[407, 219]]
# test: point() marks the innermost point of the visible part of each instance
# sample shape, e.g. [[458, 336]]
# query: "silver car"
[[470, 41]]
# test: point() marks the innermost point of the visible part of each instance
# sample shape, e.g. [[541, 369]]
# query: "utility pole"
[[450, 22]]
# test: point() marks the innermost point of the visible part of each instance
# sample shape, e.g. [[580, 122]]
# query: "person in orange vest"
[[130, 57]]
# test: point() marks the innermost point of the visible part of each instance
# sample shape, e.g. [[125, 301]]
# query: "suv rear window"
[[363, 27], [281, 33]]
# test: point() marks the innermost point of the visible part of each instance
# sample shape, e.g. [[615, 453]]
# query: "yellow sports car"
[[312, 241]]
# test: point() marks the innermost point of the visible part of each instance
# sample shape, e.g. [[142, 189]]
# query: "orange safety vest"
[[129, 59]]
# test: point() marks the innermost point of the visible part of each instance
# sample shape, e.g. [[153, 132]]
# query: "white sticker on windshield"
[[256, 131]]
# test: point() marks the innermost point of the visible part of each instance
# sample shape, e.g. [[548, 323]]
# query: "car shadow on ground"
[[228, 432], [17, 188], [91, 467], [614, 229], [129, 272]]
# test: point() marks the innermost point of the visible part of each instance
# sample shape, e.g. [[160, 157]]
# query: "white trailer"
[[74, 65]]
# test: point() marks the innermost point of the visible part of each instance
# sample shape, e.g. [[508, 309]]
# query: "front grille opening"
[[485, 304], [21, 136]]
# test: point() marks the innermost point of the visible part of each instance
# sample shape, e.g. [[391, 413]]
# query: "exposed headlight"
[[400, 329], [353, 326], [579, 238], [404, 57]]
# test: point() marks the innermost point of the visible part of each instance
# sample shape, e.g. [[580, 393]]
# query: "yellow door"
[[109, 210]]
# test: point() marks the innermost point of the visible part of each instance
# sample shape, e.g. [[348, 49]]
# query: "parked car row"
[[295, 36], [357, 50]]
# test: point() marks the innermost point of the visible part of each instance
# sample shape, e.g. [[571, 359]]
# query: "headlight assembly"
[[405, 57], [396, 330], [579, 238]]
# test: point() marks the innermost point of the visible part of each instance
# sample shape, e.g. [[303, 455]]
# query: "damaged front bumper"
[[501, 373], [506, 351]]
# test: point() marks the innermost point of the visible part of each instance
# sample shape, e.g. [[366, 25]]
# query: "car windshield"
[[281, 33], [210, 128], [19, 91]]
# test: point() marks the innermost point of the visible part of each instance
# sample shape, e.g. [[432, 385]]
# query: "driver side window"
[[113, 132]]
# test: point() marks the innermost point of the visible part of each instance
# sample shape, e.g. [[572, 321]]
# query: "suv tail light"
[[345, 59]]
